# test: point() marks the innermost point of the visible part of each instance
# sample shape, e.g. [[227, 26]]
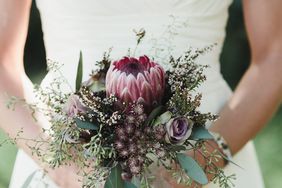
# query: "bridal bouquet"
[[131, 117]]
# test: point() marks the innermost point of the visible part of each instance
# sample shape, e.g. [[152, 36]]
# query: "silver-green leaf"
[[154, 114], [128, 184], [136, 181], [114, 179], [192, 168], [79, 74], [85, 125], [200, 132], [163, 118]]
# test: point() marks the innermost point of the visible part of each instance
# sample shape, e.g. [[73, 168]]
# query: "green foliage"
[[200, 132], [154, 114], [86, 125], [79, 73], [114, 179], [192, 168], [163, 118], [129, 185]]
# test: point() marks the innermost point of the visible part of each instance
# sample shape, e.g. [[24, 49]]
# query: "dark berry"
[[126, 176]]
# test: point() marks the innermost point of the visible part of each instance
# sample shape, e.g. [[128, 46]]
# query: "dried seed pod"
[[132, 148], [142, 118], [140, 159], [130, 119], [135, 169], [124, 153], [159, 132], [148, 130], [132, 161], [129, 128], [142, 150], [131, 140], [138, 109], [126, 176], [119, 145], [120, 132], [137, 133]]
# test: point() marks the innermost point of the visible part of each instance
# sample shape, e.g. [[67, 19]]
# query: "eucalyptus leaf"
[[163, 118], [29, 179], [114, 179], [200, 132], [79, 73], [128, 184], [230, 161], [192, 168], [151, 156], [136, 181], [86, 125], [154, 114]]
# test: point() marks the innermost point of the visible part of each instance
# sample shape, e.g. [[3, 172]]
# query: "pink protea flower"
[[136, 80]]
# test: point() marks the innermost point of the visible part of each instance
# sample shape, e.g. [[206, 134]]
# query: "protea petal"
[[154, 78], [120, 84], [132, 87], [147, 92], [114, 82], [125, 95]]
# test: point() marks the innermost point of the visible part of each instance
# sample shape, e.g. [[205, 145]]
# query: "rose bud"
[[178, 130], [73, 106], [136, 80]]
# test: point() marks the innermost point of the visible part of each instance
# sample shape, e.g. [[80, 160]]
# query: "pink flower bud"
[[73, 106]]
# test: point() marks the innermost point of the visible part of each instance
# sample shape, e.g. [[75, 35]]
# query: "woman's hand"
[[66, 177], [164, 179]]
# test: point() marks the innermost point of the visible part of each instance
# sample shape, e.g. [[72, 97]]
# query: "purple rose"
[[178, 130], [73, 106]]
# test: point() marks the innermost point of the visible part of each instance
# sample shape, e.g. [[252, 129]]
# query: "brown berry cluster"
[[130, 141]]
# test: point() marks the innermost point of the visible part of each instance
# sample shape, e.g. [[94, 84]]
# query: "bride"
[[94, 25]]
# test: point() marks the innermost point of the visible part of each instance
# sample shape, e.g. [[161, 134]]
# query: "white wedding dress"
[[94, 26]]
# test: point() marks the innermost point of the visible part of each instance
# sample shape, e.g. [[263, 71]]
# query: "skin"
[[253, 103]]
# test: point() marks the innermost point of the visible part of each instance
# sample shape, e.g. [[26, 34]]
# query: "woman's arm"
[[14, 16], [259, 93], [13, 22]]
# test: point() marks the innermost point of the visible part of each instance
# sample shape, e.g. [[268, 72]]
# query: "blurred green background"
[[234, 61]]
